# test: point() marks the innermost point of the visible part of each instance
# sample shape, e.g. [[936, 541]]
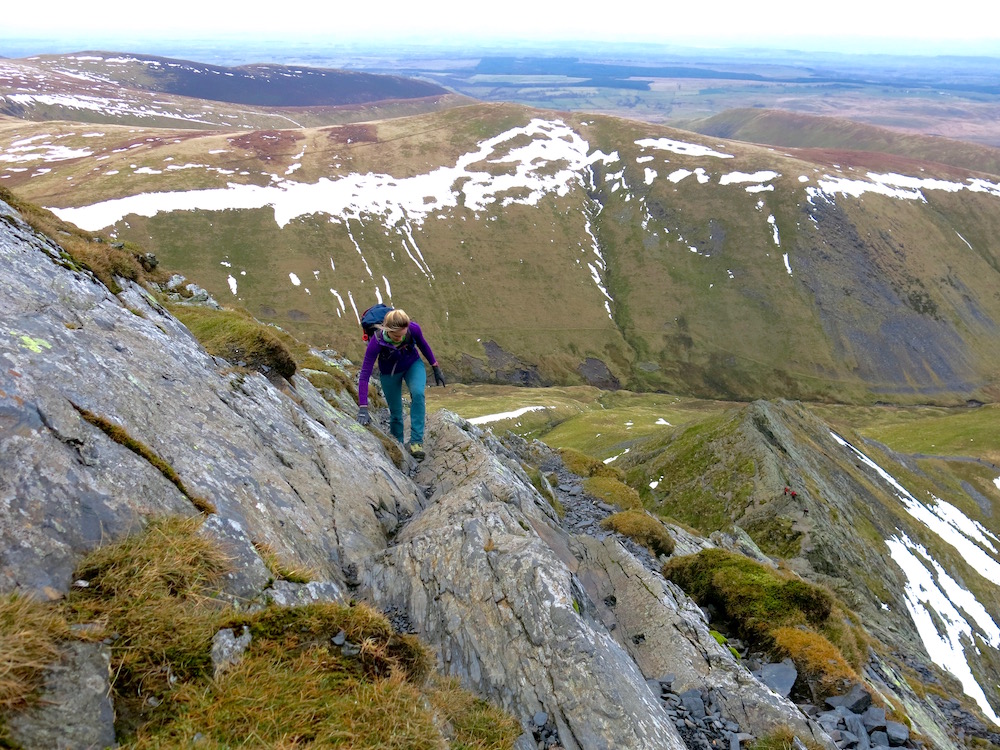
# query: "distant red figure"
[[787, 490]]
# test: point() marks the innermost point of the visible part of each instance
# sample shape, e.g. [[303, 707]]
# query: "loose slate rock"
[[898, 733], [780, 677]]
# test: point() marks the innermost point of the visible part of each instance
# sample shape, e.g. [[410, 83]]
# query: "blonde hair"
[[395, 319]]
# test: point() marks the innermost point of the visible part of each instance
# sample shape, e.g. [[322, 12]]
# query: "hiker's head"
[[395, 324]]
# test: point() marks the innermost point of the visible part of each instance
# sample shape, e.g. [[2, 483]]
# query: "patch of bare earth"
[[267, 144]]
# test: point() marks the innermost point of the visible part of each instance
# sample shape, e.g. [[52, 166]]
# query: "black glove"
[[438, 377], [363, 419]]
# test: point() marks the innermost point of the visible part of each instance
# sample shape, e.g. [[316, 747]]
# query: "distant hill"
[[544, 248], [791, 130], [129, 88]]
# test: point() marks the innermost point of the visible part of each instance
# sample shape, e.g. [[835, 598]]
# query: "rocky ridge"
[[567, 626]]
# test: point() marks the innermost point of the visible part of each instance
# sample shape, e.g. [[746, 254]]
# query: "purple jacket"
[[392, 360]]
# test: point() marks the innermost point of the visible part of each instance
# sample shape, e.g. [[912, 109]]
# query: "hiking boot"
[[417, 451]]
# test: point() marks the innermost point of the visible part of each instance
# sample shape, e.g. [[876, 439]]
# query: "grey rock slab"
[[499, 605], [780, 676], [321, 494], [676, 639], [75, 709], [857, 700], [856, 726], [897, 733], [874, 718]]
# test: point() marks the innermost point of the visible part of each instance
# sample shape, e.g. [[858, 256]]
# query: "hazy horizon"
[[26, 45]]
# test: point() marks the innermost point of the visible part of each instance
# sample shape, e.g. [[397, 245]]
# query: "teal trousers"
[[392, 387]]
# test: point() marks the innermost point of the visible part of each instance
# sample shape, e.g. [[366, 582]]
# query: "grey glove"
[[363, 419], [438, 377]]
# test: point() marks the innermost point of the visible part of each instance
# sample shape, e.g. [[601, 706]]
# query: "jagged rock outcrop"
[[287, 471], [111, 413], [486, 576]]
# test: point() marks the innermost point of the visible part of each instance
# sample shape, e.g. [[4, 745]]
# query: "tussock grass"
[[29, 634], [822, 664], [325, 674], [778, 612], [782, 738], [279, 568], [613, 491], [151, 591], [477, 724], [640, 526], [587, 466], [237, 337]]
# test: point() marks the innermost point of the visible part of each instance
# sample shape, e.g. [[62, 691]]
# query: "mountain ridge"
[[467, 551], [670, 262]]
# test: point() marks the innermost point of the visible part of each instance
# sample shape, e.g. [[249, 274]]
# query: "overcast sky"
[[971, 25]]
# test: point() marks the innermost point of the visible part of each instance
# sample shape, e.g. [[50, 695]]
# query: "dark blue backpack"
[[371, 319]]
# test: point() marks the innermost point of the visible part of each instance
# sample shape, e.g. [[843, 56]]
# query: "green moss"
[[752, 596], [777, 612]]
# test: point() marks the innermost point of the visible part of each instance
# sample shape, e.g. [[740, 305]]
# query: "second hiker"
[[397, 345]]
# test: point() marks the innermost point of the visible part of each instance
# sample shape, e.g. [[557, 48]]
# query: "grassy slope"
[[794, 130], [513, 277]]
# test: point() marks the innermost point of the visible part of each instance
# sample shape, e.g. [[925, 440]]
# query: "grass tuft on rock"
[[325, 674], [587, 466], [777, 612], [477, 724], [613, 491], [150, 592], [781, 738], [281, 570], [29, 635], [643, 528], [821, 663], [237, 337]]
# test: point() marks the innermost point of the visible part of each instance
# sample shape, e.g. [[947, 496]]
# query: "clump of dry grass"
[[477, 724], [325, 674], [820, 662], [587, 466], [237, 337], [640, 526], [29, 635], [613, 491], [152, 591], [782, 738], [278, 568]]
